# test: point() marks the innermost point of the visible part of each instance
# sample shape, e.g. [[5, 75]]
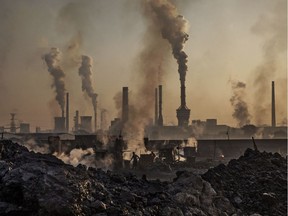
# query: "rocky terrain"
[[38, 184], [254, 183]]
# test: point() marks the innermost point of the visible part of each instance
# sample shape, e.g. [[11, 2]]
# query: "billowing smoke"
[[86, 73], [273, 28], [163, 22], [32, 145], [52, 60], [241, 113], [78, 156], [173, 28]]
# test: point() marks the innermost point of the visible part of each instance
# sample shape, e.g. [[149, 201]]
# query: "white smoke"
[[32, 145]]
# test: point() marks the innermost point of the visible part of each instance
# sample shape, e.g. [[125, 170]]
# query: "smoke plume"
[[173, 28], [241, 113], [86, 73], [274, 29], [163, 22], [52, 60], [78, 156]]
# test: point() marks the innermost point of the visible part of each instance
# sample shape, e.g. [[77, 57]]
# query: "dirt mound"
[[37, 184], [254, 183]]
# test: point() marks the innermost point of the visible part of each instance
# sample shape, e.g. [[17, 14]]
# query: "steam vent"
[[183, 113]]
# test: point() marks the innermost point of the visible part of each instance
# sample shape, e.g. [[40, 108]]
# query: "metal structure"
[[183, 113], [160, 118], [67, 112], [273, 106], [125, 105]]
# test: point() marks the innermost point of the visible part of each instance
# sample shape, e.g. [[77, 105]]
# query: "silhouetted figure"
[[134, 160], [254, 144]]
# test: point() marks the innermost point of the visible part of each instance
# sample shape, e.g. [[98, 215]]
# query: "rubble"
[[40, 184], [256, 183]]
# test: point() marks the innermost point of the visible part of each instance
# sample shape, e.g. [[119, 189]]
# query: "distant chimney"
[[59, 124], [86, 123], [76, 121], [125, 106], [67, 112], [160, 118], [273, 106], [156, 106], [95, 112]]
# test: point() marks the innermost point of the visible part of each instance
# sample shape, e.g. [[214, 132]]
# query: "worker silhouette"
[[134, 160]]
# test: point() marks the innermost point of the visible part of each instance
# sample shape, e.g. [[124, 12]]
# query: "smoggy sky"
[[229, 40]]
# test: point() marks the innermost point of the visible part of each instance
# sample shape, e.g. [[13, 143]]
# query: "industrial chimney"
[[160, 118], [95, 112], [156, 106], [125, 106], [183, 113], [67, 112], [273, 106], [76, 121]]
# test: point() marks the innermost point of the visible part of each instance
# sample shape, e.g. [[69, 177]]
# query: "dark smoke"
[[52, 60], [163, 22], [173, 28], [86, 73], [241, 113]]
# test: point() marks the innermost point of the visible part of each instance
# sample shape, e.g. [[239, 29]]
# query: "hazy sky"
[[228, 40]]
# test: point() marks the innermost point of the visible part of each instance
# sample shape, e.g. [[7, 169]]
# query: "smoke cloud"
[[78, 156], [241, 113], [173, 28], [274, 29], [86, 73], [52, 60], [163, 22]]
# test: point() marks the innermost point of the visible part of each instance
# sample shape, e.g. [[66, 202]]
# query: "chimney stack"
[[76, 121], [273, 106], [156, 106], [67, 112], [125, 107], [160, 119], [183, 113], [95, 112]]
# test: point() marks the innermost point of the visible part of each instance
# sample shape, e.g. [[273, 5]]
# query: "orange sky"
[[222, 46]]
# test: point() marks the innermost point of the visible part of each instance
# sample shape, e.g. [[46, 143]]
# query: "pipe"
[[156, 106], [125, 106], [160, 119], [67, 112], [273, 106]]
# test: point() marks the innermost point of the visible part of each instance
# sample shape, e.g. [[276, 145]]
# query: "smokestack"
[[125, 107], [67, 112], [273, 106], [160, 119], [95, 111], [156, 106], [76, 121]]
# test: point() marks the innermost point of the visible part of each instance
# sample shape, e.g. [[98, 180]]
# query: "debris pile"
[[38, 184], [254, 183]]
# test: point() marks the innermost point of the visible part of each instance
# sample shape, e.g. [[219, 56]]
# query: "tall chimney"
[[67, 112], [76, 121], [160, 119], [125, 106], [95, 112], [183, 113], [156, 106], [273, 106]]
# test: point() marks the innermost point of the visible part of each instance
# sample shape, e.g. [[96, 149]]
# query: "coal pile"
[[254, 183], [37, 184]]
